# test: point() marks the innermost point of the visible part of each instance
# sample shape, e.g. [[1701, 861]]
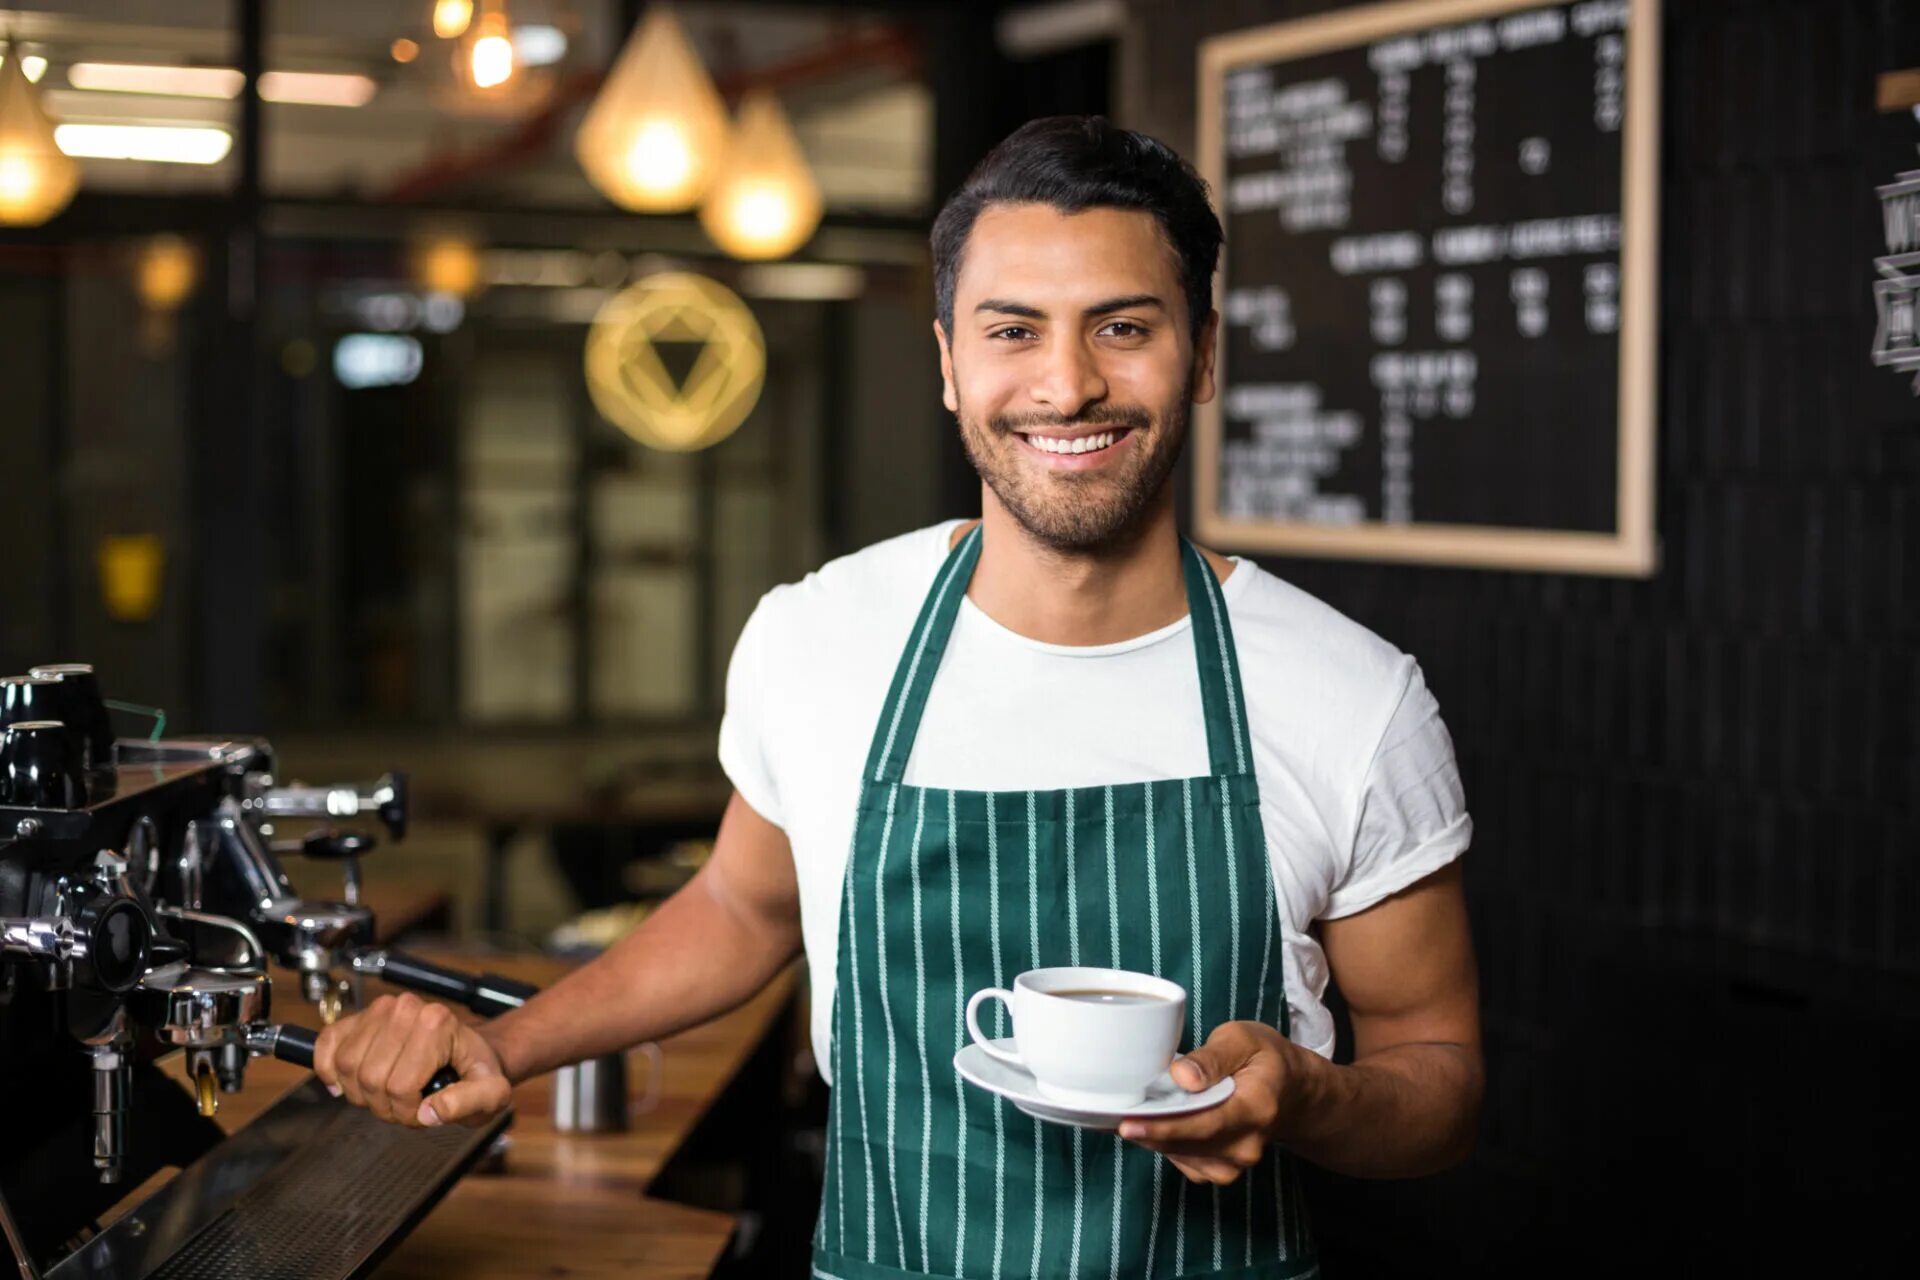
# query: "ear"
[[1204, 349], [948, 395]]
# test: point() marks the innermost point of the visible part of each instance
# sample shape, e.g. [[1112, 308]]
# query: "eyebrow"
[[1003, 306]]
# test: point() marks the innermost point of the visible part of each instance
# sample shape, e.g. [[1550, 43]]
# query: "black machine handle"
[[487, 994], [295, 1045]]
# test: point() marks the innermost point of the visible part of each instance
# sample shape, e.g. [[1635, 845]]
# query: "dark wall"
[[1695, 882]]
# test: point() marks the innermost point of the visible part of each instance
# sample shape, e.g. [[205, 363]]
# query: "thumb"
[[471, 1099], [482, 1089], [1221, 1056]]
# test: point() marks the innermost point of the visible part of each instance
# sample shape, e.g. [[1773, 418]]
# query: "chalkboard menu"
[[1437, 295]]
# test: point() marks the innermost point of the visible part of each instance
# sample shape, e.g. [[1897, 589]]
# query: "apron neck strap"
[[1222, 702]]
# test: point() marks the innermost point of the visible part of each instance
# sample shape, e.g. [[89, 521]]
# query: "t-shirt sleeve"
[[1412, 814], [744, 748]]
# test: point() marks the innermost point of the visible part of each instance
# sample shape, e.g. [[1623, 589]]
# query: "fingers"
[[382, 1058], [1204, 1169]]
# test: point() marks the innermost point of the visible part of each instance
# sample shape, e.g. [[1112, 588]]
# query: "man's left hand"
[[1219, 1144]]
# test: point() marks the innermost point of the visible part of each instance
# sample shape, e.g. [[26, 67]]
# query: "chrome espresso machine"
[[142, 901]]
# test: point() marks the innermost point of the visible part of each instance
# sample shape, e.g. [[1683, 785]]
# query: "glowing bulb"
[[19, 179], [34, 66], [764, 203], [404, 50], [492, 55], [36, 178], [450, 17], [659, 159], [657, 131]]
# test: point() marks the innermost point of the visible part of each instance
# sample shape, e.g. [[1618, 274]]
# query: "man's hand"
[[382, 1058], [1217, 1145]]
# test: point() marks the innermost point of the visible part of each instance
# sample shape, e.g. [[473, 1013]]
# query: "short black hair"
[[1075, 163]]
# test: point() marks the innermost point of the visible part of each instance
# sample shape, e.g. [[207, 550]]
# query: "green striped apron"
[[950, 891]]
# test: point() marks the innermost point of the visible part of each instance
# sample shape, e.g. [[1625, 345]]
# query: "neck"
[[1102, 596]]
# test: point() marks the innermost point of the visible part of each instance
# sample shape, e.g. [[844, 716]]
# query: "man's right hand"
[[383, 1057]]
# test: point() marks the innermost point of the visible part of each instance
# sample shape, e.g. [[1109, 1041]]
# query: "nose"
[[1068, 378]]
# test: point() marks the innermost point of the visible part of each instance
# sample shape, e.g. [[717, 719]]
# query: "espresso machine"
[[142, 901]]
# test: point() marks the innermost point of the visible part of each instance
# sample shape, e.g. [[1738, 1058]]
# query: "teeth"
[[1080, 444]]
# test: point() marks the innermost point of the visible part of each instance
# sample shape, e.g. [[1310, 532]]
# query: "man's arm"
[[707, 949], [1406, 1106]]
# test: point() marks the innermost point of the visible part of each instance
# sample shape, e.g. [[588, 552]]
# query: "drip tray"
[[315, 1189]]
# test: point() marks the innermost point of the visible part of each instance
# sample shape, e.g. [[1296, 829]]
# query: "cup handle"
[[973, 1025]]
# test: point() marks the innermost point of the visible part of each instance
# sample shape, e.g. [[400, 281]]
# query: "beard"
[[1078, 511]]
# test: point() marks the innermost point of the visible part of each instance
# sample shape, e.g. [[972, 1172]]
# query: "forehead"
[[1033, 253]]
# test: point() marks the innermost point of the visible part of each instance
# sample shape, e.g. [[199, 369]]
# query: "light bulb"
[[36, 178], [764, 203], [657, 130], [450, 17], [659, 159], [492, 55]]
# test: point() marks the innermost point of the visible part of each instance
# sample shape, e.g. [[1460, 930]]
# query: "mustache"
[[1099, 415]]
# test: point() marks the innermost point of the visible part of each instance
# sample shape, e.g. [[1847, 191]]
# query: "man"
[[1055, 735]]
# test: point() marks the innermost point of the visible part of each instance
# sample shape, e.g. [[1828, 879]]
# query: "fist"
[[383, 1057]]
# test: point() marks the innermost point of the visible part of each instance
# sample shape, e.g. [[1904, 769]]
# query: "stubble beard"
[[1079, 512]]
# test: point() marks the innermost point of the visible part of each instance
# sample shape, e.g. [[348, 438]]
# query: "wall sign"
[[676, 361], [1438, 289]]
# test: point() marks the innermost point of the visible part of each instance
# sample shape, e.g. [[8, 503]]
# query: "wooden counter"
[[565, 1204]]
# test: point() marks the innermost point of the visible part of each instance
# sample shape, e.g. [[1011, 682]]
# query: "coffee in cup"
[[1092, 1038]]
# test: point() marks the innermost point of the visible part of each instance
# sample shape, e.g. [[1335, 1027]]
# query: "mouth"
[[1085, 449]]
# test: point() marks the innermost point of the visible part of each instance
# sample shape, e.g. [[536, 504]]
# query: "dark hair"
[[1083, 162]]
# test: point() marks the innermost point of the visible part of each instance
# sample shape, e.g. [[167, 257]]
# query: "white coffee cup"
[[1083, 1050]]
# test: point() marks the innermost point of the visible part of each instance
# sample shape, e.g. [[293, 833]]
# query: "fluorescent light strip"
[[175, 82], [316, 88], [309, 88], [167, 144]]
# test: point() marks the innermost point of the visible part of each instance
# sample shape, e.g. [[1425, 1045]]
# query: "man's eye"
[[1125, 329], [1007, 329]]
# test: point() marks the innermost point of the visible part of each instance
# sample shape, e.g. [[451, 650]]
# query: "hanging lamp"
[[656, 132], [764, 203], [37, 179]]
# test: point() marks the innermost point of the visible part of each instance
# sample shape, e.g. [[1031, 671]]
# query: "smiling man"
[[1055, 735]]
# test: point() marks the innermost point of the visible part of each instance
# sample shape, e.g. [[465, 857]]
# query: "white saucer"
[[1016, 1085]]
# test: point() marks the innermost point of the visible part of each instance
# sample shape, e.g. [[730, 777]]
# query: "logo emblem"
[[676, 361]]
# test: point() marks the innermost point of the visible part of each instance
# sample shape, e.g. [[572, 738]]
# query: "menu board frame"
[[1631, 548]]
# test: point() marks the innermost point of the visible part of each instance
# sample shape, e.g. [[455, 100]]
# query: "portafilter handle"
[[487, 994], [295, 1045]]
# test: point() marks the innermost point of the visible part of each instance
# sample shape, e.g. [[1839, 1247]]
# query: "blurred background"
[[303, 436]]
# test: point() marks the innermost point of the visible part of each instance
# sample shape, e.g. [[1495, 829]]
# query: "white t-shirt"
[[1358, 788]]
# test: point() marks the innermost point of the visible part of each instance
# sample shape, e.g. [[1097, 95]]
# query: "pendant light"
[[37, 179], [653, 137], [764, 203], [483, 57], [450, 17]]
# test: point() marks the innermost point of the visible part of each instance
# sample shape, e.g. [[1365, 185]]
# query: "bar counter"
[[557, 1204]]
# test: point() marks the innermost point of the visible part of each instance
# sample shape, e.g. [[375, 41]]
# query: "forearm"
[[693, 959], [1402, 1112]]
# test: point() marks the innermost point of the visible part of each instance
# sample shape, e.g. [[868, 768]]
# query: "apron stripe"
[[1199, 1023], [886, 1022], [959, 1038], [913, 668], [1033, 942], [1073, 896], [1153, 932], [1233, 977], [860, 1022], [1079, 1200], [999, 1104], [920, 1029], [1269, 891], [1119, 1146]]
